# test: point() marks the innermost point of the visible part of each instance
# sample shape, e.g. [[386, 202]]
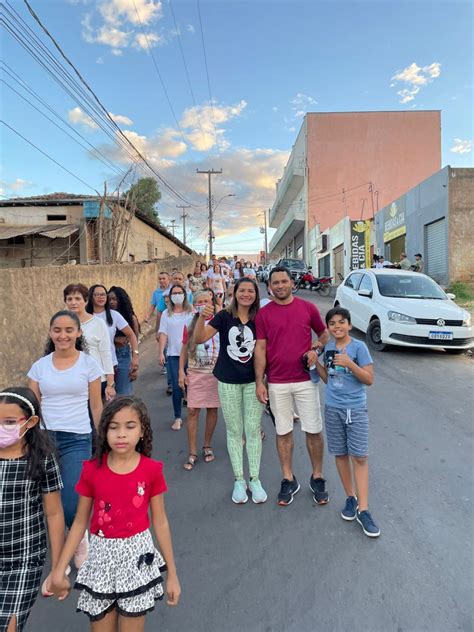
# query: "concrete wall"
[[461, 225], [31, 296], [394, 150], [37, 215], [144, 242]]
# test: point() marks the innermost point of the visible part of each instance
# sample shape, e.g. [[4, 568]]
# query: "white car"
[[397, 307]]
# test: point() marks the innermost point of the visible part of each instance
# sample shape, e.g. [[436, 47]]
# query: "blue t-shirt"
[[352, 393], [156, 297]]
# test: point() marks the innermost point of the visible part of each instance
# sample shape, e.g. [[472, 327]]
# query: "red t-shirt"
[[287, 330], [121, 501]]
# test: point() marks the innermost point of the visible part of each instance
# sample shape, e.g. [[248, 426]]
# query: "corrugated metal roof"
[[61, 231]]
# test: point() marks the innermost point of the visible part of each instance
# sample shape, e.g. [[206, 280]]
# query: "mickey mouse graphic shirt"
[[121, 501], [236, 345]]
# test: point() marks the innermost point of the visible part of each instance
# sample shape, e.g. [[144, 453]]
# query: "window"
[[353, 280], [131, 258], [366, 284], [56, 218], [156, 252]]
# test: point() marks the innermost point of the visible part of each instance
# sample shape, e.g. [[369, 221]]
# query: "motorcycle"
[[307, 280]]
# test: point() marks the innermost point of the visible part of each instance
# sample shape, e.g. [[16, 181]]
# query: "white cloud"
[[300, 104], [99, 60], [78, 117], [190, 28], [415, 77], [461, 146], [198, 124], [115, 23], [120, 119], [274, 108], [17, 185], [291, 129]]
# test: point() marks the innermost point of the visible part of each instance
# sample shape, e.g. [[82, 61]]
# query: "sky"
[[268, 63]]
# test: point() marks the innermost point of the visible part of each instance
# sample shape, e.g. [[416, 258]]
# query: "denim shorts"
[[347, 431]]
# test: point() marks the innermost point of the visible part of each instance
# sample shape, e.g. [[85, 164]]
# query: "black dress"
[[22, 536]]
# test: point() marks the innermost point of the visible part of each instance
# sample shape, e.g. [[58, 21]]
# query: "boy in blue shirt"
[[347, 369]]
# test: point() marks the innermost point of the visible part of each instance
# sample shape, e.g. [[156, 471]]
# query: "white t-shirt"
[[249, 272], [173, 327], [65, 393], [98, 343], [118, 323]]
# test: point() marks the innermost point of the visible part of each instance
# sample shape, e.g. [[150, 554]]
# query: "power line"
[[211, 100], [48, 156]]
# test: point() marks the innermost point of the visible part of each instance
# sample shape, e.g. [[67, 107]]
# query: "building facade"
[[436, 219], [345, 166], [61, 228]]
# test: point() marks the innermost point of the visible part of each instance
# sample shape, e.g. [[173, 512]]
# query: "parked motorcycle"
[[308, 281]]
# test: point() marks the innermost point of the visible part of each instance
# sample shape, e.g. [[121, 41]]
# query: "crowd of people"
[[75, 445], [403, 263]]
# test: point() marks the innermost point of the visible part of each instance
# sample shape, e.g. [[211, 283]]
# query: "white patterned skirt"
[[122, 574]]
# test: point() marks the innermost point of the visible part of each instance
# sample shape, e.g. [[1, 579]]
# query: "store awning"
[[53, 232]]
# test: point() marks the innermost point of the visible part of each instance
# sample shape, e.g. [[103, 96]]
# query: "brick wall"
[[461, 225], [30, 296]]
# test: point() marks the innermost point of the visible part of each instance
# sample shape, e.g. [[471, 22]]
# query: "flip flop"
[[208, 454], [191, 462]]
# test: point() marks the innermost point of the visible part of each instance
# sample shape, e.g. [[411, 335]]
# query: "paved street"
[[301, 568]]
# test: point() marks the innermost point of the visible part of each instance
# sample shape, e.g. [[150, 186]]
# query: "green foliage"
[[144, 195], [462, 290]]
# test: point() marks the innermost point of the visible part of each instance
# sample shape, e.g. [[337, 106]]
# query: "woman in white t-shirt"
[[95, 333], [177, 316], [65, 380], [249, 271], [98, 305], [216, 283]]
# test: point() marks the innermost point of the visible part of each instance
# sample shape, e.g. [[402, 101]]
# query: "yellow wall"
[[30, 296]]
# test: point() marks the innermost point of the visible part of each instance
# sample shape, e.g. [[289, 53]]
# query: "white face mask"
[[177, 299]]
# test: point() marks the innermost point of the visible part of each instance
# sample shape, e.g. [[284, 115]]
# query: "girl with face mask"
[[177, 316], [30, 486]]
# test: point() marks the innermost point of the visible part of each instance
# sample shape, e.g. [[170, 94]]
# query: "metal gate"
[[338, 263], [436, 251]]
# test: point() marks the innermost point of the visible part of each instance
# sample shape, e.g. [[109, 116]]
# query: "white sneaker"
[[177, 424], [82, 551]]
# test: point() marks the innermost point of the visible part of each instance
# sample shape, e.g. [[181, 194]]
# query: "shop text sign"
[[394, 221], [360, 245]]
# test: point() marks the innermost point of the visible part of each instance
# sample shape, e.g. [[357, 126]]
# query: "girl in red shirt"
[[122, 575]]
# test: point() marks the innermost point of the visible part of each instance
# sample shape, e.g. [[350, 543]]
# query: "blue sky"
[[269, 62]]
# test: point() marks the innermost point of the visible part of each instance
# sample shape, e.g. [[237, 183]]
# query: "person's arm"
[[53, 511], [319, 328], [260, 363], [105, 353], [157, 325], [203, 332], [162, 531], [128, 331], [60, 584], [162, 340], [95, 401], [183, 358], [33, 384], [364, 374], [136, 326]]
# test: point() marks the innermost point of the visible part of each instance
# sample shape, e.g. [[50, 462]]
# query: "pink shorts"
[[202, 390]]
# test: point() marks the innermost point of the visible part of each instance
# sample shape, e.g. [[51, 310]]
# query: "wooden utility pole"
[[210, 172], [183, 217]]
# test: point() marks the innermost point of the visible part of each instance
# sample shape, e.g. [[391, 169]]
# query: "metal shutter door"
[[436, 250]]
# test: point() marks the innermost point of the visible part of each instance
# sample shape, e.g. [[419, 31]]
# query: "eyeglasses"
[[101, 295], [10, 423]]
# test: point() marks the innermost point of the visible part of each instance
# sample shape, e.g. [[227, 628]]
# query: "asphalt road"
[[301, 568]]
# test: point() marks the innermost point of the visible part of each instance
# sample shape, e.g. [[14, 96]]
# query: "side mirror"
[[451, 296], [366, 293]]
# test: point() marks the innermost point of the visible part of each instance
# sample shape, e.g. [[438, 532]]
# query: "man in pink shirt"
[[283, 337]]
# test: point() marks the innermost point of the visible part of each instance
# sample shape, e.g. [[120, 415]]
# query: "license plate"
[[441, 335]]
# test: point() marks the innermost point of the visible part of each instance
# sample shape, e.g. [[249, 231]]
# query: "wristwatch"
[[136, 352]]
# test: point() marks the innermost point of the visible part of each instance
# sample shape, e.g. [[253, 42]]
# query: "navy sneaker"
[[350, 509], [287, 490], [367, 523], [318, 487]]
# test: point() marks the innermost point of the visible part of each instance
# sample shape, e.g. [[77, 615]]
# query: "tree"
[[145, 195]]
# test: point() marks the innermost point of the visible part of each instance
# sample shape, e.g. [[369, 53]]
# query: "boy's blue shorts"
[[347, 431]]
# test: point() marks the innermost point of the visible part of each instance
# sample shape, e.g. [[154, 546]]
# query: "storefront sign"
[[394, 220], [360, 244]]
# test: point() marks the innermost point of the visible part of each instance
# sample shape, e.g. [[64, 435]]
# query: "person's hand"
[[342, 359], [262, 393], [134, 362], [162, 359], [173, 591], [157, 336], [109, 392], [182, 380], [133, 373], [312, 358], [207, 312], [58, 584]]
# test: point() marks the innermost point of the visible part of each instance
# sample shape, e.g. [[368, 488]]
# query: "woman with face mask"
[[177, 316]]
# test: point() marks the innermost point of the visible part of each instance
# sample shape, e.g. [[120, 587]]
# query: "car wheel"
[[374, 336]]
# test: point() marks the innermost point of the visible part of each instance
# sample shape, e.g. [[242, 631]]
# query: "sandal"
[[191, 462], [208, 454]]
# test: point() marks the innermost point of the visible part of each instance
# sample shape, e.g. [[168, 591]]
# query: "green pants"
[[242, 414]]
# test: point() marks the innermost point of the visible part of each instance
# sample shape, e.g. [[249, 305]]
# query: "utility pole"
[[173, 222], [210, 172], [264, 231], [183, 217]]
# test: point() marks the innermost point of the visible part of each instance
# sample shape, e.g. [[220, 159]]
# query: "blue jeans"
[[73, 449], [172, 362], [123, 386]]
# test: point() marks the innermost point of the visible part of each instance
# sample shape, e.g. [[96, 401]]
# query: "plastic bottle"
[[338, 377]]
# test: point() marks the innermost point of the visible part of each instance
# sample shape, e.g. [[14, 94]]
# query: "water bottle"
[[338, 377], [313, 372]]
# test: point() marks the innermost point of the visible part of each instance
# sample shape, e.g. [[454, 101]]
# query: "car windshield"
[[409, 286], [295, 264]]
